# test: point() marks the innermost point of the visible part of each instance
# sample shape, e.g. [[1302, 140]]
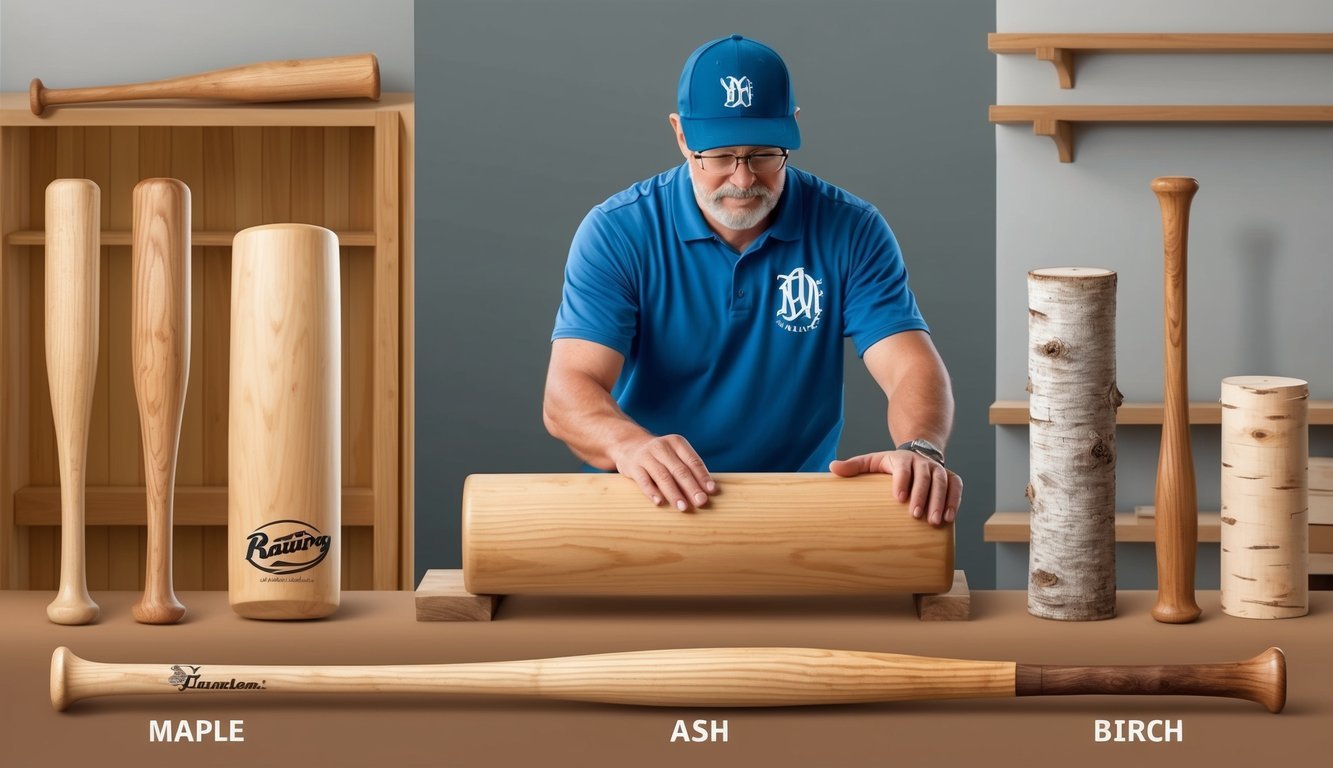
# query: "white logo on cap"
[[801, 294], [739, 91]]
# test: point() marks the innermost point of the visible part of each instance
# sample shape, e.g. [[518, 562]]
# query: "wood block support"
[[954, 605], [441, 596]]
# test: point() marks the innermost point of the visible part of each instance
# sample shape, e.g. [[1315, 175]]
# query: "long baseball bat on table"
[[72, 271], [334, 77], [160, 350], [693, 677], [1177, 516]]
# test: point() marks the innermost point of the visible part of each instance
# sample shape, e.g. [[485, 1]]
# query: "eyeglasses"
[[766, 161]]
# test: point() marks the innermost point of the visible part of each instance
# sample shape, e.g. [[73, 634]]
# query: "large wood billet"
[[72, 277], [1265, 447], [1177, 505], [689, 677], [1071, 483], [333, 77], [284, 424], [160, 350], [763, 534]]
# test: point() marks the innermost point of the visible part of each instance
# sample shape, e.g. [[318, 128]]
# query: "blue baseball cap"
[[736, 92]]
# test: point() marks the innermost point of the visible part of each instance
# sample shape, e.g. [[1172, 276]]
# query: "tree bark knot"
[[1029, 493], [1055, 349], [1103, 449], [1115, 397], [1042, 578]]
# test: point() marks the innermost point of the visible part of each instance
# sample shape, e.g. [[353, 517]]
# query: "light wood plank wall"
[[238, 177]]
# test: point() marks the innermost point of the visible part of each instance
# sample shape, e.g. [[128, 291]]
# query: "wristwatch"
[[925, 448]]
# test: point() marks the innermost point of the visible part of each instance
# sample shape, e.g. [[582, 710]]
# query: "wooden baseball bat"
[[335, 77], [798, 533], [160, 351], [73, 215], [692, 677], [1177, 526]]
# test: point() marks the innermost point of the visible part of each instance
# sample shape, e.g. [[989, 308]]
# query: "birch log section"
[[1177, 513], [1071, 490], [1265, 447], [284, 462]]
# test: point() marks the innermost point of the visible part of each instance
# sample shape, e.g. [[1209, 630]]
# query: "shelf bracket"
[[1061, 132], [1063, 59]]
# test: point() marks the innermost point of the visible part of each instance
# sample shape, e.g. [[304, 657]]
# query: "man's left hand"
[[930, 491]]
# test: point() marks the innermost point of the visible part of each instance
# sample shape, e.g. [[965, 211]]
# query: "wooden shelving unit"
[[1013, 527], [1057, 121], [1061, 48], [344, 165], [1015, 413]]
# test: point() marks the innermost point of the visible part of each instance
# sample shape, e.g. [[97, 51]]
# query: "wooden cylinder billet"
[[692, 677], [284, 428], [160, 352], [762, 534], [73, 218], [1071, 433], [1265, 500], [333, 77], [1177, 508]]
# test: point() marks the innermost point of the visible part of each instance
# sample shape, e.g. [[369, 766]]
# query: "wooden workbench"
[[401, 730]]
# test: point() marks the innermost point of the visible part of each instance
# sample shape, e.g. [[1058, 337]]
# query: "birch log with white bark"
[[1265, 509], [1071, 489]]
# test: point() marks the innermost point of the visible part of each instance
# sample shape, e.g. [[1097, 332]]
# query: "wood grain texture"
[[334, 77], [441, 596], [1071, 481], [1320, 482], [1177, 513], [1129, 527], [1015, 413], [954, 605], [1265, 529], [195, 505], [72, 286], [283, 423], [693, 677], [385, 407], [1262, 679], [763, 534], [14, 351], [160, 353]]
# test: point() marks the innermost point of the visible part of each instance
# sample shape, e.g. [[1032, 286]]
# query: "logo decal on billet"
[[284, 547]]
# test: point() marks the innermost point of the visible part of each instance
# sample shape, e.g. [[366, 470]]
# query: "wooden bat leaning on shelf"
[[696, 677], [335, 77]]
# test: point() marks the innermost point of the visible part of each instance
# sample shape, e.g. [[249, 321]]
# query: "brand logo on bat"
[[183, 680], [740, 91], [801, 301], [285, 547]]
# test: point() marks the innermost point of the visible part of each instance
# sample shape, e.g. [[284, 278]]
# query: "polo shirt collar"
[[691, 225]]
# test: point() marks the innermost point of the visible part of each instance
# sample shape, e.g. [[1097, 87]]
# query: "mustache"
[[730, 190]]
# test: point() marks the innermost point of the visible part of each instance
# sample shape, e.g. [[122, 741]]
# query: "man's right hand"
[[666, 469]]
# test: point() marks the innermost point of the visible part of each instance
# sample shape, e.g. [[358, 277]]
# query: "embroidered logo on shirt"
[[801, 309], [740, 91]]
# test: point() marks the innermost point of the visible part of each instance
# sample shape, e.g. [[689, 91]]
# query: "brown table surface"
[[407, 730]]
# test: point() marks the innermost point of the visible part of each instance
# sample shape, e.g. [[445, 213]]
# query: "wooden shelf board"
[[194, 505], [198, 238], [1060, 48], [170, 112], [1015, 413], [1011, 527]]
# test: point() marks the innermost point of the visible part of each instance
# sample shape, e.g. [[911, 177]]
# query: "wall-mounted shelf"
[[1056, 121], [193, 505], [197, 238], [1014, 527], [1060, 49], [1015, 413]]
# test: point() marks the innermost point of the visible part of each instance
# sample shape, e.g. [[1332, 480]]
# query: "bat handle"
[[1262, 679], [71, 297], [1177, 516], [160, 332]]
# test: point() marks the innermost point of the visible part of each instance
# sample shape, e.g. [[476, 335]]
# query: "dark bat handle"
[[1262, 679]]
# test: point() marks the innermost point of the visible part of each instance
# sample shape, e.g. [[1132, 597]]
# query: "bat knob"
[[1175, 185], [36, 96], [72, 609], [164, 610]]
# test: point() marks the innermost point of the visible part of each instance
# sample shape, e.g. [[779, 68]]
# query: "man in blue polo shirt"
[[704, 309]]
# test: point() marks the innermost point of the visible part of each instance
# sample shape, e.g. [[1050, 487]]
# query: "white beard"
[[740, 219]]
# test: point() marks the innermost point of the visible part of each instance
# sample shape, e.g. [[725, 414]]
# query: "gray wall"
[[1261, 238], [531, 112], [70, 43]]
